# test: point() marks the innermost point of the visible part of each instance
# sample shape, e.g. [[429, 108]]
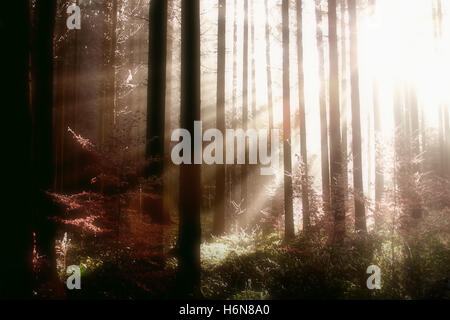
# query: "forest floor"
[[129, 257]]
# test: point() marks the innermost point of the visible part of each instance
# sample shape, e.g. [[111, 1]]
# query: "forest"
[[226, 150]]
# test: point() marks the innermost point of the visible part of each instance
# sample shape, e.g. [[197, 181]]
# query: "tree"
[[16, 241], [156, 97], [360, 215], [188, 280], [219, 215], [269, 79], [268, 70], [302, 115], [288, 205], [244, 173], [344, 100], [379, 169], [337, 194], [253, 63], [42, 106], [324, 155], [234, 195], [107, 117]]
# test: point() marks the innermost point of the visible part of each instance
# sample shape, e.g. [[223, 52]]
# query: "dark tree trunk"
[[288, 205], [156, 98], [16, 242], [107, 117], [188, 284], [42, 105], [302, 114], [360, 215], [337, 194], [325, 162], [219, 214]]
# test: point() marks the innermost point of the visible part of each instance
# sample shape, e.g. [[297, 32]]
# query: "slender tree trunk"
[[170, 170], [16, 240], [360, 215], [253, 174], [108, 117], [156, 98], [379, 169], [188, 283], [288, 205], [234, 195], [219, 214], [244, 170], [437, 19], [325, 164], [253, 63], [344, 98], [302, 114], [268, 70], [337, 194], [269, 85]]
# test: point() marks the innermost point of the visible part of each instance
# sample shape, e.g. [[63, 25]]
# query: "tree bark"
[[302, 115], [156, 98], [188, 280], [268, 70], [344, 99], [16, 242], [337, 194], [360, 215], [325, 164], [244, 171], [219, 214], [288, 205]]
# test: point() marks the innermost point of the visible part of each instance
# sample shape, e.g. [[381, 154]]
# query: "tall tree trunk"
[[74, 114], [344, 99], [302, 115], [268, 70], [156, 98], [325, 163], [108, 111], [42, 105], [269, 85], [16, 240], [288, 205], [244, 170], [170, 170], [188, 281], [59, 125], [253, 174], [219, 214], [253, 62], [337, 194], [437, 21], [379, 169], [234, 194], [360, 214]]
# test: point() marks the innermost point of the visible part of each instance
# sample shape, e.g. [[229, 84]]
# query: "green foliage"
[[250, 266]]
